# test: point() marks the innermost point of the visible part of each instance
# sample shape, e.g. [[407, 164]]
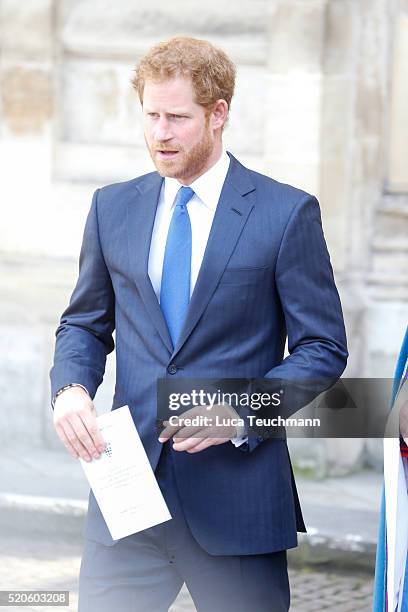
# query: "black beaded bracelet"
[[64, 389]]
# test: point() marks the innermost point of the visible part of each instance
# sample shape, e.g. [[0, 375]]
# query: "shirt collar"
[[207, 187]]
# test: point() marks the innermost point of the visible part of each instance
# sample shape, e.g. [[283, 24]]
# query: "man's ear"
[[219, 114]]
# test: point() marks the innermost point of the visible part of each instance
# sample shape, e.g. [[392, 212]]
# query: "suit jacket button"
[[172, 369]]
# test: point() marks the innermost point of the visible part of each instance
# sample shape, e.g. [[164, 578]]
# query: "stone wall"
[[319, 104]]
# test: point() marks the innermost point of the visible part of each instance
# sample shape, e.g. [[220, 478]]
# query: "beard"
[[187, 164]]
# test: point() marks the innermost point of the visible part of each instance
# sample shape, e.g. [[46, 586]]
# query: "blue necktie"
[[175, 282]]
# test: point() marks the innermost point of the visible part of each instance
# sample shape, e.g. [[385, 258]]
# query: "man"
[[203, 268]]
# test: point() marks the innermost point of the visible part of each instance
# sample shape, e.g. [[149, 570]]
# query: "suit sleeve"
[[84, 336], [310, 301], [312, 311]]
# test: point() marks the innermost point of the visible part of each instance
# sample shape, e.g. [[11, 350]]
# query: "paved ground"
[[32, 563]]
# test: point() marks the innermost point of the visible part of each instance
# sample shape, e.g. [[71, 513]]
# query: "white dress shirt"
[[201, 209]]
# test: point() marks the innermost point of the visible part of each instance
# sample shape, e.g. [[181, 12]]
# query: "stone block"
[[127, 29], [308, 456], [245, 131], [340, 30], [388, 286], [353, 297], [27, 29], [335, 146], [24, 190], [21, 381], [334, 214], [99, 164], [344, 455], [391, 229], [390, 261], [296, 37], [374, 453], [98, 104], [26, 97], [292, 132], [336, 111], [383, 342], [398, 121]]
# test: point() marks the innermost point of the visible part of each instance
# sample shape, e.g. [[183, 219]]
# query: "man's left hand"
[[201, 427]]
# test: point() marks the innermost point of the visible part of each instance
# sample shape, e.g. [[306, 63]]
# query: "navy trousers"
[[145, 571]]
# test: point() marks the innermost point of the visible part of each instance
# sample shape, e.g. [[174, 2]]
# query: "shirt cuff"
[[239, 440]]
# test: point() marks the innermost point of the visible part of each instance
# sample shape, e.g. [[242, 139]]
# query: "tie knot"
[[183, 196]]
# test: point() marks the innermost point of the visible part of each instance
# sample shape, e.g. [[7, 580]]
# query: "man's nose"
[[162, 129]]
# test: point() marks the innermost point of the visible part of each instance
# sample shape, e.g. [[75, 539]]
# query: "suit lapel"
[[230, 217], [141, 214]]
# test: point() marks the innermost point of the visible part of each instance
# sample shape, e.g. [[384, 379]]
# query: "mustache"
[[159, 147]]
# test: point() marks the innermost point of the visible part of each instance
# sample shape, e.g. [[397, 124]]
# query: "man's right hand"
[[76, 425]]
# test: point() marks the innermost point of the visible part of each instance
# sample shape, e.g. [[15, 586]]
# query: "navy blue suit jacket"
[[265, 276]]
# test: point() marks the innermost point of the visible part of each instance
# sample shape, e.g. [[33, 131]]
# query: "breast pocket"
[[244, 276]]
